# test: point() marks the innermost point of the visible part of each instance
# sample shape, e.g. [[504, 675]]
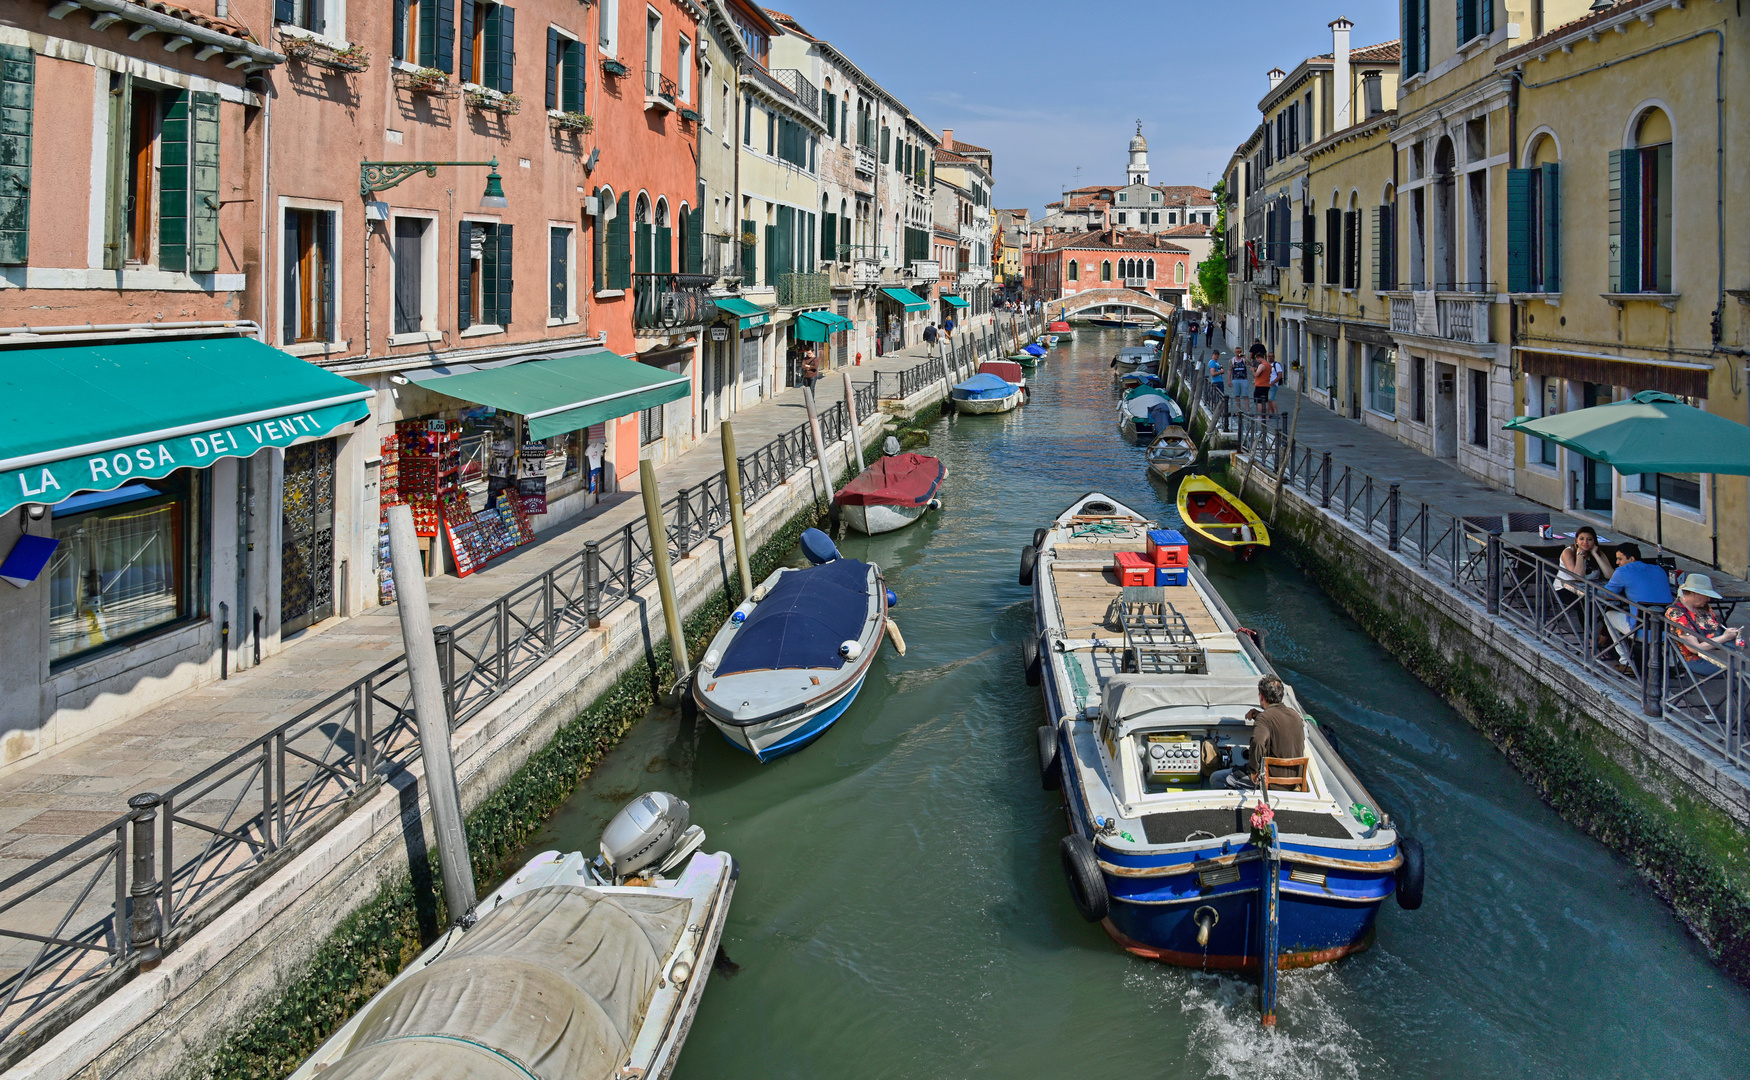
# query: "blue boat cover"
[[1036, 349], [985, 388], [804, 619], [1163, 416]]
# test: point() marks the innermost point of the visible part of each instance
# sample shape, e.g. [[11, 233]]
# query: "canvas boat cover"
[[1126, 697], [1035, 349], [1163, 415], [1139, 405], [900, 480], [803, 620], [984, 388], [553, 983], [1007, 370]]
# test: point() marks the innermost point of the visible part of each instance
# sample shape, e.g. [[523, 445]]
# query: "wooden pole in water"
[[819, 446], [1270, 911], [737, 523], [431, 712], [671, 612], [851, 414]]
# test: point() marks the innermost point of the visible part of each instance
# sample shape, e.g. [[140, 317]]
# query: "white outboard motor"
[[651, 830]]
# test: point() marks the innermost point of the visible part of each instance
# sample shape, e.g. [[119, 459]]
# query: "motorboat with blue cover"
[[577, 968], [1144, 412], [1134, 358], [793, 655], [1147, 690], [986, 393], [1130, 380]]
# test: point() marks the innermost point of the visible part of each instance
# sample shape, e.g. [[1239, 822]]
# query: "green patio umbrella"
[[1651, 432]]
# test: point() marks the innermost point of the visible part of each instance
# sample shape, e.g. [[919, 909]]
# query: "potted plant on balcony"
[[479, 97], [571, 121], [432, 82], [308, 50]]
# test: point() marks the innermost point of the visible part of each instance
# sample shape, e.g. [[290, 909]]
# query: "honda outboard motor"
[[644, 833]]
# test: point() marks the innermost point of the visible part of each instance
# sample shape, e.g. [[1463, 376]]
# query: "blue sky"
[[1048, 87]]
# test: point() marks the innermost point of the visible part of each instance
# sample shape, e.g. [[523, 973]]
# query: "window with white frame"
[[316, 16], [561, 273], [652, 51], [415, 265], [484, 276], [683, 75], [608, 27], [307, 276]]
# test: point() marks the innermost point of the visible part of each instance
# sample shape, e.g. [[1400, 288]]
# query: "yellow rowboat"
[[1217, 518]]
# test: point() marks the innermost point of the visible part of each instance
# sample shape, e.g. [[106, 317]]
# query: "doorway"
[[1354, 381], [1598, 480], [1445, 410], [307, 536]]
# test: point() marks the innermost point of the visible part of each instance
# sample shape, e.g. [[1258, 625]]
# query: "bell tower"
[[1138, 169]]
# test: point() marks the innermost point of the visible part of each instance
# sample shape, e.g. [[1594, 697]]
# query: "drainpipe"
[[263, 283]]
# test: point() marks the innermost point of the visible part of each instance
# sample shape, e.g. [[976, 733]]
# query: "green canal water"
[[901, 912]]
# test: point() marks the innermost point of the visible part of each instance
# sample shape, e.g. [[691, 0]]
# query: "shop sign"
[[720, 333]]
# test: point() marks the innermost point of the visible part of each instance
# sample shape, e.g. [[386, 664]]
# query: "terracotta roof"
[[789, 23], [962, 144], [1386, 52], [949, 155], [222, 26], [1196, 230], [1113, 240], [1542, 42]]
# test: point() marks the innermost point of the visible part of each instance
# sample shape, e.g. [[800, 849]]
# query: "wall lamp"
[[383, 175]]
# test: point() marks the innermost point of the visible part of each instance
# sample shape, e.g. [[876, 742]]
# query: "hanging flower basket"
[[691, 115], [614, 68], [571, 121], [310, 51], [493, 101], [432, 82]]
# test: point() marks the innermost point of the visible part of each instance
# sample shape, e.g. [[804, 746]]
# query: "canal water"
[[901, 912]]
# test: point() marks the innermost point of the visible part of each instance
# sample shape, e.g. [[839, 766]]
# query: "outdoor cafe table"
[[1732, 591]]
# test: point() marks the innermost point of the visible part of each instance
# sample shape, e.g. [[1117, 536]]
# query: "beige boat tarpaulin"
[[552, 984], [1129, 696]]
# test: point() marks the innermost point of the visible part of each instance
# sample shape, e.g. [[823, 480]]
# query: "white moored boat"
[[986, 394], [892, 493]]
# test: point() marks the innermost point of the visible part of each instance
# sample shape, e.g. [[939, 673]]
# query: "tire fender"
[[1087, 888], [1409, 873], [1030, 661], [1029, 556], [1050, 765], [1039, 536]]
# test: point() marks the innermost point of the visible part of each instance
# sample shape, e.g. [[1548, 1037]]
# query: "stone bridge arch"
[[1091, 300]]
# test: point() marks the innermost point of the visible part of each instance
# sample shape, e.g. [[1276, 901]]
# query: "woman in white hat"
[[1696, 627]]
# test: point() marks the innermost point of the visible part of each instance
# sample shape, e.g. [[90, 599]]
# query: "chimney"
[[1276, 76], [1342, 113], [947, 138]]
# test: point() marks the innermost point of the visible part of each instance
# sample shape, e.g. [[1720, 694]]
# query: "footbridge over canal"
[[1110, 301]]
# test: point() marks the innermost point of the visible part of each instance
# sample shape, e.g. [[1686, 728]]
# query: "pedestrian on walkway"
[[810, 368], [1277, 377], [1216, 372], [1241, 377], [1209, 333], [1261, 375], [930, 334]]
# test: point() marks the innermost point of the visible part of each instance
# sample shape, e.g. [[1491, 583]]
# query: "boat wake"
[[1312, 1039], [903, 681]]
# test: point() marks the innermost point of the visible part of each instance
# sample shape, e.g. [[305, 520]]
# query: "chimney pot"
[[1342, 94], [947, 138], [1276, 75]]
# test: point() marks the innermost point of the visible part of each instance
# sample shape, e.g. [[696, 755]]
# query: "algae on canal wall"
[[1613, 787]]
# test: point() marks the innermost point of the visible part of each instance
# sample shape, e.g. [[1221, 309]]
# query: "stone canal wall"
[[258, 989], [1627, 780]]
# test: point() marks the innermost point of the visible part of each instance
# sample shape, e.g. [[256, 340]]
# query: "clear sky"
[[1049, 87]]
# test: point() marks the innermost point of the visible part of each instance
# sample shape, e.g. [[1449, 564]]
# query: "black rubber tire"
[[1039, 536], [1050, 765], [1409, 873], [1029, 556], [1031, 663], [1087, 888]]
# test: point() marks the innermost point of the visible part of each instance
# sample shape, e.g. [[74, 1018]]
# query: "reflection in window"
[[1383, 382]]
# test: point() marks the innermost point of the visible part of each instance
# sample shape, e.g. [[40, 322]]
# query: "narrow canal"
[[901, 912]]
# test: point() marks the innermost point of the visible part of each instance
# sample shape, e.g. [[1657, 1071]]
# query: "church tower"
[[1138, 157]]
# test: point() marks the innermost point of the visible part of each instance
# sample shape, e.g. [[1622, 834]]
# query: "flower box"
[[433, 82], [614, 68], [571, 121], [691, 115], [493, 101], [305, 50]]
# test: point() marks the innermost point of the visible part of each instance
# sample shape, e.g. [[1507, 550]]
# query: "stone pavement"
[[66, 794]]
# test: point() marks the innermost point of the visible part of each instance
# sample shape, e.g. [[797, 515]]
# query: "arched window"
[[1151, 269], [599, 240], [1105, 269], [1534, 220], [662, 241], [1445, 216], [643, 236], [1178, 273], [683, 234], [1073, 272], [1643, 173]]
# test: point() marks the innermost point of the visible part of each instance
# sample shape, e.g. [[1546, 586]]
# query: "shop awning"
[[564, 393], [748, 315], [954, 301], [816, 325], [95, 417], [911, 300]]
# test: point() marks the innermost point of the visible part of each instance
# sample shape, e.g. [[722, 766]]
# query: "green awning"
[[748, 315], [95, 417], [817, 325], [954, 301], [911, 300], [564, 393]]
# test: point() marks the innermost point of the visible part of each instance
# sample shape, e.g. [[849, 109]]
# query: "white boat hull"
[[878, 519], [988, 405]]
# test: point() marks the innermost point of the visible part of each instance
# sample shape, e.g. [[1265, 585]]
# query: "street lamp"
[[383, 175]]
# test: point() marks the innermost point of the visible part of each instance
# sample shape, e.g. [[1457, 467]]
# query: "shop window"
[[128, 563], [1383, 382], [308, 260], [1640, 209], [483, 275], [415, 276], [559, 273], [1679, 489], [649, 425]]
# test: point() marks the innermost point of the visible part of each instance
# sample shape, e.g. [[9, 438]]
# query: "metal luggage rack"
[[1157, 639]]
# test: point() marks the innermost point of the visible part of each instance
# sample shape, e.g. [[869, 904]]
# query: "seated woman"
[[1698, 630], [1579, 561]]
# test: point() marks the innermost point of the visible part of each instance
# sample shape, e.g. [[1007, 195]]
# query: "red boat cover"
[[900, 480], [1058, 327], [1006, 370]]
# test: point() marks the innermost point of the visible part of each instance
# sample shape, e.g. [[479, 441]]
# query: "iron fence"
[[78, 921]]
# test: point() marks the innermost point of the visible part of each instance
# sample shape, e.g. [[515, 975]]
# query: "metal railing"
[[1632, 647], [665, 301], [659, 88], [79, 921], [804, 290], [794, 81]]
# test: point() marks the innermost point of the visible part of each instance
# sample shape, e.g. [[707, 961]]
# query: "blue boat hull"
[[795, 738]]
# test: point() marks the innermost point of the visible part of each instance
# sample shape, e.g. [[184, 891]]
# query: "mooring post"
[[145, 923], [1391, 519], [737, 524], [431, 712], [819, 445], [1653, 663], [671, 612], [851, 414], [1325, 481], [1270, 910], [592, 582]]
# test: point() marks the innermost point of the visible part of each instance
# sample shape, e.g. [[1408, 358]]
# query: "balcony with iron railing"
[[926, 270], [866, 159], [659, 91], [804, 290], [722, 257], [1457, 311], [803, 90], [671, 301]]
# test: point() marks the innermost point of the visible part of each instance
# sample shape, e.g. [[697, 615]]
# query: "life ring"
[[1409, 872], [1087, 888], [1050, 765], [1030, 662], [1029, 556]]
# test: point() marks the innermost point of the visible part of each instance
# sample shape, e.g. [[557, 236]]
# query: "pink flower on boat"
[[1262, 816]]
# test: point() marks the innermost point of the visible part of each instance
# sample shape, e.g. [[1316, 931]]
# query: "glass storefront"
[[128, 562], [1383, 382]]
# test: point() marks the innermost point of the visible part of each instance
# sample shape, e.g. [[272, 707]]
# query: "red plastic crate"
[[1133, 569], [1168, 548]]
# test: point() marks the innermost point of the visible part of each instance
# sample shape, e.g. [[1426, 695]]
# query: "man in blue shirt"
[[1641, 583]]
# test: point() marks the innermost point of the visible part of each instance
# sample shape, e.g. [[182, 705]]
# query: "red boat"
[[892, 493], [1058, 327]]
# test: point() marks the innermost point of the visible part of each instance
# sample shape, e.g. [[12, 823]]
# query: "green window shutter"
[[1552, 228], [786, 261], [467, 71], [598, 244], [203, 214], [506, 48], [173, 183], [442, 51], [771, 256], [491, 46], [1625, 220], [464, 276], [886, 145], [17, 100], [505, 281], [829, 234], [1309, 228], [489, 271], [1519, 237], [325, 259], [552, 68], [398, 37], [1351, 254], [749, 253], [115, 223], [620, 243], [695, 257], [665, 250], [571, 78], [641, 250]]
